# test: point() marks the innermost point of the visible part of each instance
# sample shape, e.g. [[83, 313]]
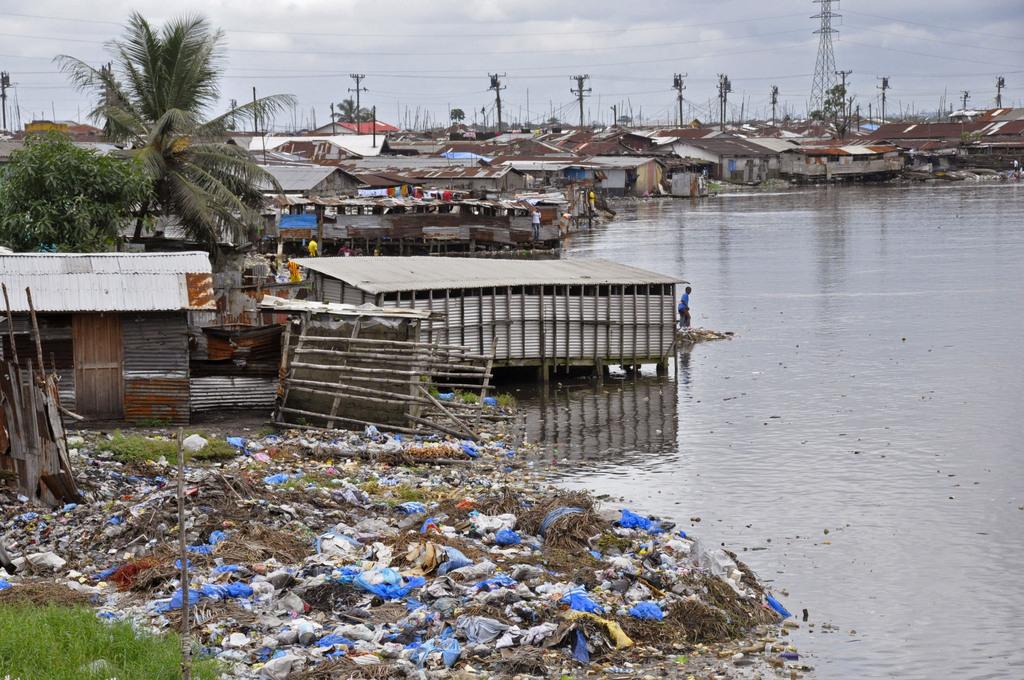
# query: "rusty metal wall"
[[214, 392], [156, 370]]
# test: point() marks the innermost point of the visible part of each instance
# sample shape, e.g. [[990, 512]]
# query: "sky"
[[423, 58]]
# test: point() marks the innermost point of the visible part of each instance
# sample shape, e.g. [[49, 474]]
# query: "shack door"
[[99, 387]]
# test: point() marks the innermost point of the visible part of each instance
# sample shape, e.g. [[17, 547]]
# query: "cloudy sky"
[[421, 58]]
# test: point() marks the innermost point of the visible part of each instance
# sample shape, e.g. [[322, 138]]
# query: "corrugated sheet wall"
[[156, 374], [578, 324]]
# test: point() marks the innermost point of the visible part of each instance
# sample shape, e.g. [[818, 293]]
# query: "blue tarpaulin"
[[298, 221]]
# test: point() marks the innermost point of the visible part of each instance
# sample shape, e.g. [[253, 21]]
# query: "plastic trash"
[[647, 610], [578, 600], [4, 584], [490, 401], [469, 448], [579, 648], [446, 396], [279, 478], [631, 520], [777, 606], [507, 537], [333, 640], [217, 536], [456, 560], [237, 442], [193, 443], [555, 515], [480, 629], [497, 581], [428, 524], [412, 508], [789, 656], [387, 583], [447, 645]]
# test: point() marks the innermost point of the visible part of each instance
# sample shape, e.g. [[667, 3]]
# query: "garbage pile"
[[366, 555], [695, 335]]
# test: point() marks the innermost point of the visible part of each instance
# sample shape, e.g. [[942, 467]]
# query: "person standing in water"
[[684, 309]]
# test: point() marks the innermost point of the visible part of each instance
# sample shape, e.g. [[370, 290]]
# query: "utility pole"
[[358, 89], [580, 91], [775, 101], [5, 82], [883, 87], [964, 96], [678, 86], [615, 115], [334, 124], [847, 112], [1000, 84], [724, 88], [497, 87]]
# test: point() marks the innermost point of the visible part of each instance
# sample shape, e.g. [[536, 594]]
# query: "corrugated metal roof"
[[108, 282], [390, 274], [298, 177]]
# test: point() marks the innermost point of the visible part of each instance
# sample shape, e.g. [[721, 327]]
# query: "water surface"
[[874, 390]]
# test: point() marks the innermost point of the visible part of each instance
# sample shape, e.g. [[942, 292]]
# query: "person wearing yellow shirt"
[[312, 248], [293, 272]]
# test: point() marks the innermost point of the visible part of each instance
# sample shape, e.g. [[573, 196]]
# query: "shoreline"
[[275, 526]]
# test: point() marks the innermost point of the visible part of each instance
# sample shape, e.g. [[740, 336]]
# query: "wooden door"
[[99, 386]]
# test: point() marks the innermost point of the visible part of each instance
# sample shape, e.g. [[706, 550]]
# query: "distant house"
[[363, 128], [629, 175], [735, 159], [816, 164], [114, 326], [311, 180], [79, 132]]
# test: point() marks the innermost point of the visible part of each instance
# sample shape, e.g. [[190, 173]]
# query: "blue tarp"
[[464, 156], [578, 600], [297, 222]]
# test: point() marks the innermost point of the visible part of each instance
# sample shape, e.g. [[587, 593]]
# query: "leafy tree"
[[54, 194], [457, 115], [554, 120], [155, 101], [836, 111], [347, 112]]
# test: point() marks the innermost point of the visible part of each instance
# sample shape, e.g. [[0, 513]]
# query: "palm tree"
[[457, 115], [349, 113], [155, 101]]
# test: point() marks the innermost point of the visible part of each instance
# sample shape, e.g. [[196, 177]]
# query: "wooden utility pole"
[[724, 88], [358, 89], [678, 85], [580, 91], [497, 87], [775, 101], [883, 87]]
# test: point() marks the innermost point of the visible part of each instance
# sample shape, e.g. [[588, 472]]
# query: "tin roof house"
[[113, 326]]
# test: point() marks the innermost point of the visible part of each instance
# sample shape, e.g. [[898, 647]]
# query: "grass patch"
[[136, 448], [57, 643], [506, 401]]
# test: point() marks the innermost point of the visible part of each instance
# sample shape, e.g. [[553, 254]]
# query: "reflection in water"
[[622, 421]]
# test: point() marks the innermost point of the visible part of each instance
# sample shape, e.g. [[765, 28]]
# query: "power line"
[[943, 28]]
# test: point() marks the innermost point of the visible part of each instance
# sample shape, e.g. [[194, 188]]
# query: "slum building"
[[113, 326], [545, 314]]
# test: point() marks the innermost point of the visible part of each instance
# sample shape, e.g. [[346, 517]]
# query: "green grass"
[[135, 448], [59, 643], [506, 401]]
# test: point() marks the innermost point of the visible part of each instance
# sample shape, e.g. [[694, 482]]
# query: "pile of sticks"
[[324, 379], [33, 446]]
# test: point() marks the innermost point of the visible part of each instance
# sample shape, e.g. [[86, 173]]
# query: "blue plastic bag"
[[237, 442], [507, 537], [216, 536], [332, 640], [456, 560], [4, 584], [201, 549], [777, 606], [446, 396], [578, 600], [279, 478], [631, 520], [490, 401], [579, 648], [412, 508], [226, 569], [647, 610], [445, 643], [427, 523], [469, 448], [556, 515], [391, 587], [497, 581]]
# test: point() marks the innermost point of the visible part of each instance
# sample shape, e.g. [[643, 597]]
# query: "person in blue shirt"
[[684, 309]]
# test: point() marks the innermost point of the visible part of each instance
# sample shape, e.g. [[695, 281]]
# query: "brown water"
[[874, 389]]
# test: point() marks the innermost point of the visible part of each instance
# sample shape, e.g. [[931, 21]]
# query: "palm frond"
[[263, 108]]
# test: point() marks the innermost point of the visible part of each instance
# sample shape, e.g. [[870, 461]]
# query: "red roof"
[[366, 128]]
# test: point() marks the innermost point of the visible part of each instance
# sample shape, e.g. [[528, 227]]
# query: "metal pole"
[[186, 628]]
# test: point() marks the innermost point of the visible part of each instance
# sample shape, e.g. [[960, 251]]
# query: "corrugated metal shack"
[[113, 327], [577, 312]]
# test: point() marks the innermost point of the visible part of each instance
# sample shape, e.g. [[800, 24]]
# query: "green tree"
[[836, 111], [54, 194], [155, 100], [457, 115], [349, 113]]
